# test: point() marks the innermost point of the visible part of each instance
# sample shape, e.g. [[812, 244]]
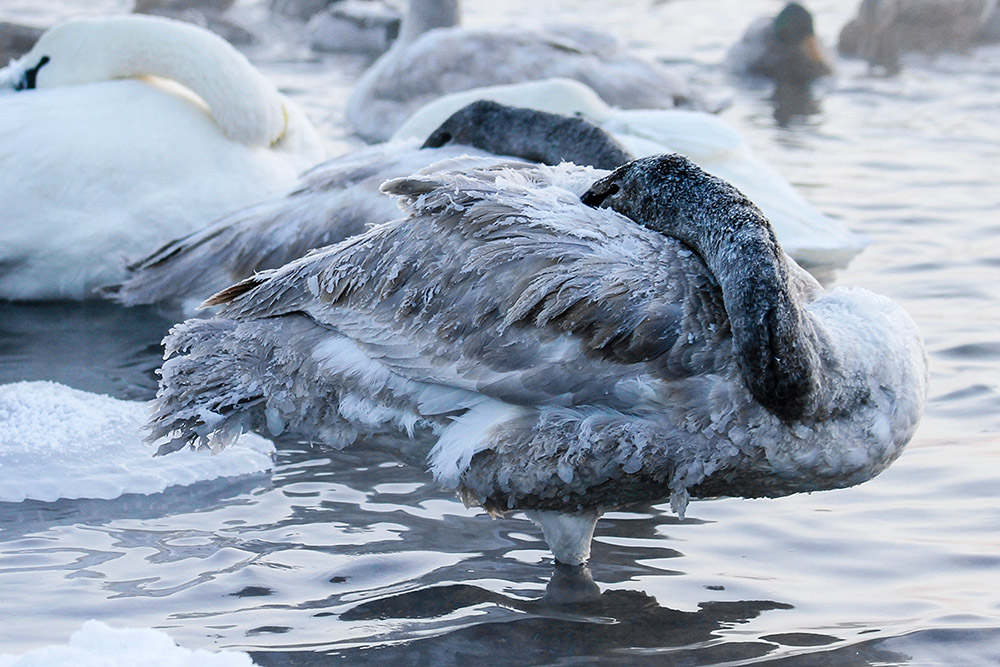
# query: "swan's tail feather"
[[275, 375], [206, 397]]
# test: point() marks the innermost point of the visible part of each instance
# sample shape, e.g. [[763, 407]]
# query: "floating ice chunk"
[[57, 442], [97, 644]]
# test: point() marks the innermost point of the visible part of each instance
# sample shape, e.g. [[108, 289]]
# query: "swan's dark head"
[[665, 193], [529, 134]]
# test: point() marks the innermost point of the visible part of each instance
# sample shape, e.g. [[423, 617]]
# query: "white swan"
[[430, 59], [101, 162], [815, 240], [555, 356], [341, 197]]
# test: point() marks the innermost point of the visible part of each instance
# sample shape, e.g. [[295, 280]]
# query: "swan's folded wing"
[[333, 201], [502, 282]]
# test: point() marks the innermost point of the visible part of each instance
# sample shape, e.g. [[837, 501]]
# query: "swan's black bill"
[[598, 192]]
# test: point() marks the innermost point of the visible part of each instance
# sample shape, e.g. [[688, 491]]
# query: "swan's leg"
[[568, 534]]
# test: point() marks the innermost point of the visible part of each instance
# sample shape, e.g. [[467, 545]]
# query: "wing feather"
[[501, 281]]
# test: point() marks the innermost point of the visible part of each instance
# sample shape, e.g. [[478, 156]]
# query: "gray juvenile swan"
[[341, 197], [434, 56], [560, 356], [883, 30]]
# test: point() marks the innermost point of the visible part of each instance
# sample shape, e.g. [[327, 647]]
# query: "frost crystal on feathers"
[[547, 355]]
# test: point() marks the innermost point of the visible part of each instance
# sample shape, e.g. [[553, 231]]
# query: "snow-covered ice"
[[97, 644], [58, 442]]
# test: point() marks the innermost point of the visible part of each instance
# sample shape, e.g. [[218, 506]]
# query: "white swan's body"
[[812, 238], [424, 64], [100, 165], [559, 358]]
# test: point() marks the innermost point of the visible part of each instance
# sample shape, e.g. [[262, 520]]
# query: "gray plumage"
[[435, 56], [341, 197], [883, 30], [560, 358], [16, 40], [355, 26]]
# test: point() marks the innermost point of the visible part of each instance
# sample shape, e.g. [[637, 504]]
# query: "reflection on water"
[[354, 555], [621, 625], [792, 101]]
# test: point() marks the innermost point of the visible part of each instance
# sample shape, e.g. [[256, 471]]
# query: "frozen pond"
[[355, 555]]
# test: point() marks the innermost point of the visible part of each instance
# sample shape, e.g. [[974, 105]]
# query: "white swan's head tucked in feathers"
[[246, 105], [121, 133], [649, 341]]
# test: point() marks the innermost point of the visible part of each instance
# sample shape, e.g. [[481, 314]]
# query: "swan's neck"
[[530, 134], [245, 105], [424, 15], [773, 338]]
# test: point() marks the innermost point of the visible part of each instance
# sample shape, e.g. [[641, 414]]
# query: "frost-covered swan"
[[433, 56], [558, 355], [816, 241], [341, 197], [783, 47], [101, 162]]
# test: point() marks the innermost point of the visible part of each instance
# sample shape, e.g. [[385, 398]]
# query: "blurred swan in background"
[[355, 26], [883, 30], [816, 241], [434, 56], [559, 354], [341, 197], [16, 39], [783, 47], [119, 134], [208, 14]]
